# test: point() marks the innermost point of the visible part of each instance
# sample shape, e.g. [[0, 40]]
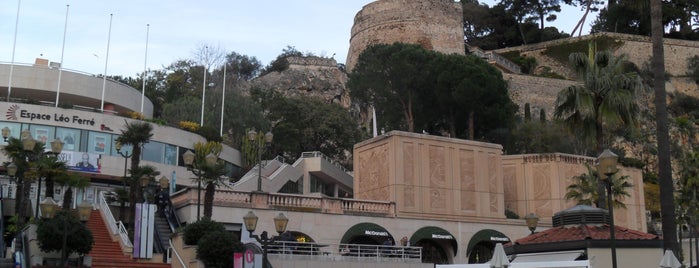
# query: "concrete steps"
[[107, 253]]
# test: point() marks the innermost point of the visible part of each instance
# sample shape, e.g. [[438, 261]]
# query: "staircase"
[[107, 253], [163, 230]]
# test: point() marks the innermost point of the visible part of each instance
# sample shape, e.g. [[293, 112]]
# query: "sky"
[[260, 29]]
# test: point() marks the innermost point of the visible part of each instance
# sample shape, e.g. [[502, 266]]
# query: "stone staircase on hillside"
[[107, 253]]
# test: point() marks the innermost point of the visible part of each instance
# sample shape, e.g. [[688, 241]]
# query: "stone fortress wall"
[[540, 92], [434, 24], [311, 62]]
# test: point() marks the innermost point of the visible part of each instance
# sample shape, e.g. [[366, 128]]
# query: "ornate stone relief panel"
[[541, 189], [409, 175], [468, 180], [374, 174], [509, 180], [437, 177], [493, 182]]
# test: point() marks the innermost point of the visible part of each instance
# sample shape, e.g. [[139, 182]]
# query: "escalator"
[[166, 222]]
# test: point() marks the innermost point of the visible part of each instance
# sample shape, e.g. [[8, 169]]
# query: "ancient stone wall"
[[434, 24], [637, 48], [539, 92], [309, 62]]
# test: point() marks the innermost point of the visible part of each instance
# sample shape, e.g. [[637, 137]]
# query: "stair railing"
[[177, 254], [114, 226], [171, 216]]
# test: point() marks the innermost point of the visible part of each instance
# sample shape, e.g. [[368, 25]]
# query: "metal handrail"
[[179, 258], [115, 227], [353, 251]]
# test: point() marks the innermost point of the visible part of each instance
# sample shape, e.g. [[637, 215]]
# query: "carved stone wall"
[[462, 180], [433, 24], [431, 176], [538, 183]]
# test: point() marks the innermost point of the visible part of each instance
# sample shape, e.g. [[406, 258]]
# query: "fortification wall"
[[539, 92], [434, 24], [300, 63], [637, 48]]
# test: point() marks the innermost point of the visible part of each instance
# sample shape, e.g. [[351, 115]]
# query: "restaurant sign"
[[375, 233]]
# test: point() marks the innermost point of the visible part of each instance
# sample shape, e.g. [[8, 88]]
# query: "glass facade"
[[95, 142]]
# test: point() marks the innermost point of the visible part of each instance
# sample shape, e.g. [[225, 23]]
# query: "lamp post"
[[280, 222], [198, 169], [28, 144], [532, 221], [125, 155], [252, 137], [606, 167]]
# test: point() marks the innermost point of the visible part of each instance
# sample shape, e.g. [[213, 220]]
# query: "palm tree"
[[24, 176], [212, 175], [584, 189], [605, 101], [135, 134], [145, 171], [49, 167], [71, 180], [667, 204]]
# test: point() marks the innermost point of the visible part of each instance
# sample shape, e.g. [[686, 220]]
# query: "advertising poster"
[[80, 161]]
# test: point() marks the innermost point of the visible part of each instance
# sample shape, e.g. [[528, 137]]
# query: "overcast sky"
[[177, 27]]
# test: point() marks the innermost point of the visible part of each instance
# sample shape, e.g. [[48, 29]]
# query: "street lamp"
[[532, 221], [252, 137], [606, 167], [125, 155], [280, 222], [194, 166], [28, 143]]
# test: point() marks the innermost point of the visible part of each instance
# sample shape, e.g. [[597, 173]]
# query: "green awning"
[[434, 233], [486, 235], [369, 230]]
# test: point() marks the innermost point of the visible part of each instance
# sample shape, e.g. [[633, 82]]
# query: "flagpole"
[[106, 61], [14, 45], [373, 119], [203, 88], [145, 62], [63, 48], [223, 98]]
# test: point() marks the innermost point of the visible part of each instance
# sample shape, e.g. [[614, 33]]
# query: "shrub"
[[210, 134], [193, 232], [215, 249], [188, 125], [49, 233]]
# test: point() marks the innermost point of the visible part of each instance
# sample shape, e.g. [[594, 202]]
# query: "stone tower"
[[434, 24]]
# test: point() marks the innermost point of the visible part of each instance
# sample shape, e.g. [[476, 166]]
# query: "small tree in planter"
[[64, 225], [215, 249], [195, 231]]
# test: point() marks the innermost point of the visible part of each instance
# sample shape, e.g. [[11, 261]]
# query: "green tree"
[[14, 150], [391, 78], [64, 225], [49, 167], [71, 181], [280, 63], [606, 100], [195, 231], [216, 249], [135, 134], [305, 124], [211, 175], [667, 200], [583, 190], [467, 89]]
